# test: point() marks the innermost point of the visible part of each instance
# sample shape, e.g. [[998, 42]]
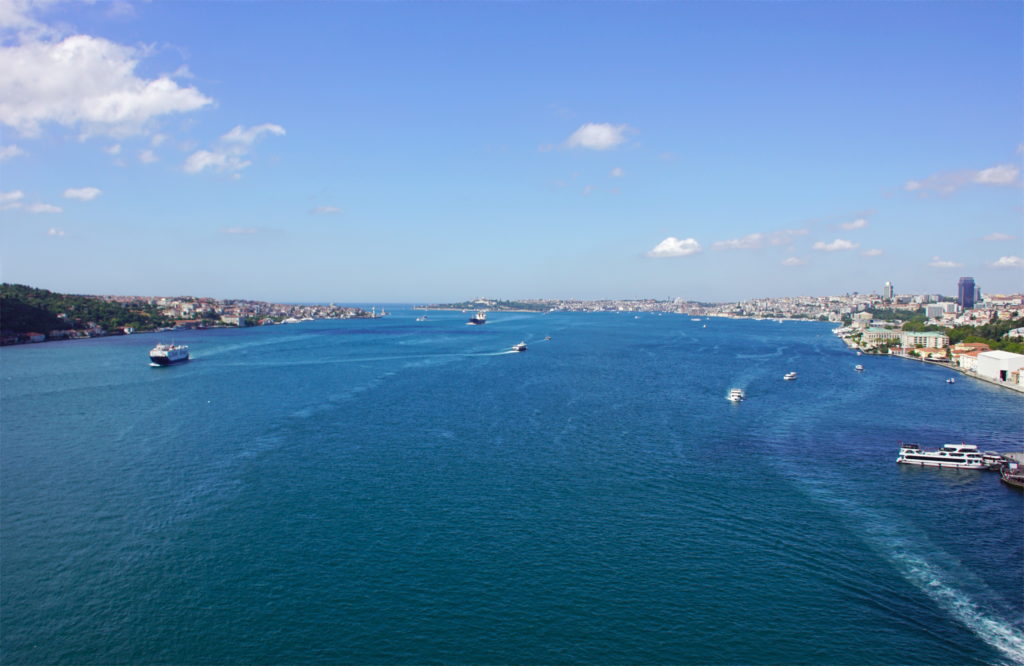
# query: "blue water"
[[380, 491]]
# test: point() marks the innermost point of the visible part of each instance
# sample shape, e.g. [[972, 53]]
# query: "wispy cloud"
[[229, 155], [113, 150], [148, 157], [617, 172], [82, 193], [793, 261], [43, 208], [675, 247], [943, 263], [836, 245], [757, 240], [948, 182], [874, 252], [1008, 262], [11, 199], [597, 136], [10, 152], [998, 237], [54, 231], [859, 223], [325, 210]]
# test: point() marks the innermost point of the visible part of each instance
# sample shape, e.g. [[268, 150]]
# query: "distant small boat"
[[547, 337], [858, 353], [478, 319], [859, 367], [695, 319], [423, 318], [736, 395], [521, 347], [951, 380], [789, 376]]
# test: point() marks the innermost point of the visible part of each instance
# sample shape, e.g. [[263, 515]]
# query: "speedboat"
[[958, 456], [736, 395], [789, 376], [859, 367], [521, 347], [423, 318]]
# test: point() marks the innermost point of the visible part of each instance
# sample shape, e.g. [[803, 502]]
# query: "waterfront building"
[[1000, 366], [874, 336], [924, 339], [966, 293]]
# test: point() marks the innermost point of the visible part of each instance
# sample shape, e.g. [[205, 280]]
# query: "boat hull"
[[163, 360], [942, 463]]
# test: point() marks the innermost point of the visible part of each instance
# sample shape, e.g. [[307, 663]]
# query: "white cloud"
[[54, 231], [82, 193], [157, 140], [9, 152], [793, 261], [855, 224], [148, 157], [587, 190], [998, 237], [11, 199], [1004, 174], [229, 155], [597, 136], [874, 252], [113, 150], [747, 242], [1009, 262], [43, 208], [943, 263], [617, 172], [85, 83], [837, 244], [325, 210], [950, 181], [675, 247]]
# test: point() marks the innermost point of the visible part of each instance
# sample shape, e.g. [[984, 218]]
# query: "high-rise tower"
[[965, 293], [888, 292]]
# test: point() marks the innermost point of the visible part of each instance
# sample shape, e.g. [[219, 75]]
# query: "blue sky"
[[356, 151]]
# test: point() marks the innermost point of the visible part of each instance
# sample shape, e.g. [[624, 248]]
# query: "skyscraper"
[[965, 293], [888, 292]]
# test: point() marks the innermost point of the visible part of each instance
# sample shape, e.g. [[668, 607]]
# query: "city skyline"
[[430, 152]]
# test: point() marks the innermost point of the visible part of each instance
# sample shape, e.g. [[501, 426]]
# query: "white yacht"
[[736, 395], [959, 456], [789, 376]]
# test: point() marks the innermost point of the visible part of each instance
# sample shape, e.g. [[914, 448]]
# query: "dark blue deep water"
[[391, 491]]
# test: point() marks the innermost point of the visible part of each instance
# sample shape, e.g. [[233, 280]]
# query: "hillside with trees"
[[26, 309]]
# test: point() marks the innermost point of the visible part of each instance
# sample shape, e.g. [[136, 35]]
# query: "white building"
[[1000, 365], [924, 339]]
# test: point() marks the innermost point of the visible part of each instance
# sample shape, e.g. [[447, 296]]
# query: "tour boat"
[[478, 319], [959, 456], [789, 376], [1012, 474], [167, 354], [993, 459], [736, 395]]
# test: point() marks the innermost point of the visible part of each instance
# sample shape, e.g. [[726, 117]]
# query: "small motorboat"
[[736, 395], [789, 376], [521, 347]]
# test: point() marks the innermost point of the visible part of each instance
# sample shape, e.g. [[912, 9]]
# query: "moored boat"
[[958, 456], [1012, 474], [168, 354]]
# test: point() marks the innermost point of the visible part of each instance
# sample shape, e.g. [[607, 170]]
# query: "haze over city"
[[430, 152]]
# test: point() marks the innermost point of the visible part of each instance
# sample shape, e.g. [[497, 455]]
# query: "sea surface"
[[383, 491]]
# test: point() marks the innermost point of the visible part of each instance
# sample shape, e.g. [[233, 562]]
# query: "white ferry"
[[789, 376], [959, 456], [521, 347], [736, 395], [478, 319], [168, 354]]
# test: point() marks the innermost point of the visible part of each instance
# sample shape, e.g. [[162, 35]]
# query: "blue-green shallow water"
[[394, 491]]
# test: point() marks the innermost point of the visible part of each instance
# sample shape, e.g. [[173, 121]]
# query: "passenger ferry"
[[168, 354], [736, 395], [959, 456], [478, 319], [789, 376]]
